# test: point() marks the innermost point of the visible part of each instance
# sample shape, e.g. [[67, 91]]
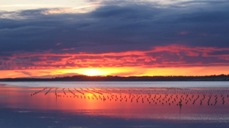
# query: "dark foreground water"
[[114, 105]]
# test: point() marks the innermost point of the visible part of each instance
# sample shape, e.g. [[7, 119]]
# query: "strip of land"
[[130, 78]]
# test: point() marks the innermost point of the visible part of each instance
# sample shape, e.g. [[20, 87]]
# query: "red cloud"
[[160, 56]]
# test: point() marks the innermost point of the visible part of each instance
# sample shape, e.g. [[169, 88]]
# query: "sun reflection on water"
[[150, 103]]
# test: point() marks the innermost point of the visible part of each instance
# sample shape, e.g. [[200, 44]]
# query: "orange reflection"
[[156, 103]]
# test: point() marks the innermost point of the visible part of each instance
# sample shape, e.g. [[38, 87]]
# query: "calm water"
[[119, 84], [114, 104]]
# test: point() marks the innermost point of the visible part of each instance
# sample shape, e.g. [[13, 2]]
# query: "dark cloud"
[[116, 27], [221, 52]]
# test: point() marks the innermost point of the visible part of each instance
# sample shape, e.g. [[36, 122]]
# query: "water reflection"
[[144, 103]]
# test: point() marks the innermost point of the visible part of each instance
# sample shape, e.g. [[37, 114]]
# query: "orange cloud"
[[160, 60], [120, 71]]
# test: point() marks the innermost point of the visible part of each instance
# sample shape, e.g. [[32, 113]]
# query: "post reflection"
[[156, 103]]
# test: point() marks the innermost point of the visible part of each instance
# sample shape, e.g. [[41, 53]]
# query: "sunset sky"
[[40, 38]]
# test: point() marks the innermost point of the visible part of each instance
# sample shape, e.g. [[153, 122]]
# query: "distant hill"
[[130, 78]]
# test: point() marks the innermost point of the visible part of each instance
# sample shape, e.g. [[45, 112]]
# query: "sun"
[[94, 72], [91, 71]]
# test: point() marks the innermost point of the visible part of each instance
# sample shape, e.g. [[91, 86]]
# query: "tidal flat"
[[114, 104]]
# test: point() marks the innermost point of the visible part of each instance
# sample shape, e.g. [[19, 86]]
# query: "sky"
[[113, 37]]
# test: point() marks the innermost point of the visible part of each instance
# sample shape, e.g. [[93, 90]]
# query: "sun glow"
[[94, 72], [117, 71]]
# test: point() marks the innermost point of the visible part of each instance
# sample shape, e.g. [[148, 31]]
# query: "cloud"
[[26, 73], [116, 28], [160, 56]]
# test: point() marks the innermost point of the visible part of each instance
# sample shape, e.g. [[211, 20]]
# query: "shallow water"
[[117, 105], [69, 84]]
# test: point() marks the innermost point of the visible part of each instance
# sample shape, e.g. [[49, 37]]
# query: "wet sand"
[[113, 107]]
